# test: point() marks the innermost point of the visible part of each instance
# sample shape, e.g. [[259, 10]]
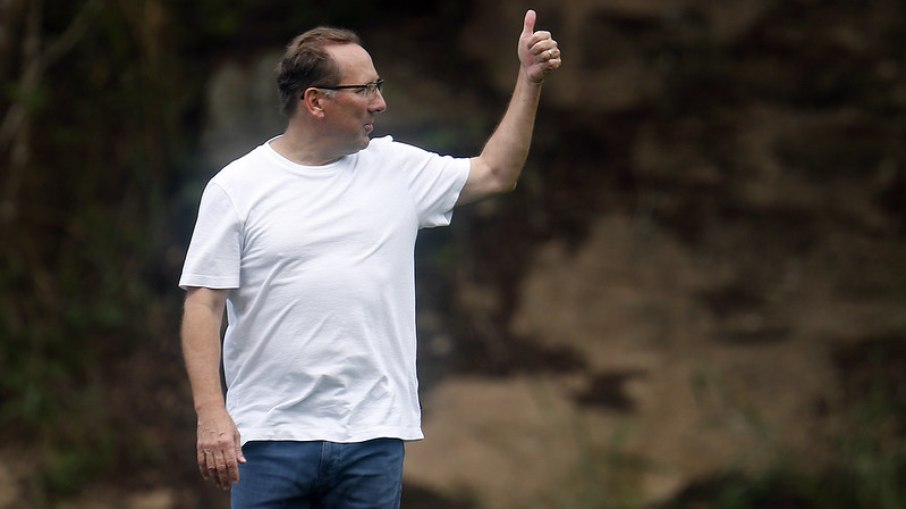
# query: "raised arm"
[[218, 447], [498, 167]]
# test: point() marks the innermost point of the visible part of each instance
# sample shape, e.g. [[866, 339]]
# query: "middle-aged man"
[[308, 241]]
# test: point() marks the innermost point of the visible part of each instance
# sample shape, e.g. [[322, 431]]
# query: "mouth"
[[369, 128]]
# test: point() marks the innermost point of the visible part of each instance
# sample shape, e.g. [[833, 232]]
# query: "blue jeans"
[[320, 475]]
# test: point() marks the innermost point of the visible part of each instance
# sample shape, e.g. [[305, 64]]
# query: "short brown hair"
[[307, 63]]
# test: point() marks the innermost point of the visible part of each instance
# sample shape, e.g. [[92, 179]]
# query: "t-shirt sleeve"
[[213, 258], [435, 185]]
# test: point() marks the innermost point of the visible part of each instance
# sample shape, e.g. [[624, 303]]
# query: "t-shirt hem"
[[272, 435], [215, 282]]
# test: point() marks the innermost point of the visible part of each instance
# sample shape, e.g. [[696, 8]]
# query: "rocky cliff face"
[[703, 266], [703, 269]]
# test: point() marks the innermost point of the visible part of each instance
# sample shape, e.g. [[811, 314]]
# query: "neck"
[[300, 146]]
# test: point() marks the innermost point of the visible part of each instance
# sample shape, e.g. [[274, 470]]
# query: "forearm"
[[498, 167], [507, 149], [201, 349], [218, 449]]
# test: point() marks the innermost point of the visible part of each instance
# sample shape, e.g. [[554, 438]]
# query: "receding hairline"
[[325, 35]]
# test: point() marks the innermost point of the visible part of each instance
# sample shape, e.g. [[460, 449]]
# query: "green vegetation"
[[100, 111]]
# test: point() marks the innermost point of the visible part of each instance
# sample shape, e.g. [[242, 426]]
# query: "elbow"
[[488, 178], [505, 180], [504, 186]]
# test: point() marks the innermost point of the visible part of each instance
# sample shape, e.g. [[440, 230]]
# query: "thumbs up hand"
[[538, 52]]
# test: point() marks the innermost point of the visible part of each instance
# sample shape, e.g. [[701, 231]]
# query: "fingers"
[[203, 465], [219, 466], [220, 470], [547, 51], [218, 460], [547, 56], [541, 36]]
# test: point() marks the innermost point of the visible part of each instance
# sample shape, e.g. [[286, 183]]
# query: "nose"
[[378, 104]]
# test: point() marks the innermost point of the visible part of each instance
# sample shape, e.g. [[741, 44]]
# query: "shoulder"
[[381, 146], [248, 171], [242, 180], [238, 169], [385, 147]]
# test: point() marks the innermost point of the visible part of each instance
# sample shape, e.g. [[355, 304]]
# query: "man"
[[308, 241]]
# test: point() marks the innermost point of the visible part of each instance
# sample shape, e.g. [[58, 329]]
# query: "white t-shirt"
[[321, 337]]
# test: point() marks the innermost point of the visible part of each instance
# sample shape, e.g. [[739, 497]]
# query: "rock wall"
[[709, 232], [710, 227]]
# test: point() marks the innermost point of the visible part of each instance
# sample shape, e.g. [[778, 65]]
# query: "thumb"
[[528, 27], [239, 456]]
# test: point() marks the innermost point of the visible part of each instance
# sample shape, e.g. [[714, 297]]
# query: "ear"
[[312, 102]]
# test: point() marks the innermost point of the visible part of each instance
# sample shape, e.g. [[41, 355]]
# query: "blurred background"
[[696, 297]]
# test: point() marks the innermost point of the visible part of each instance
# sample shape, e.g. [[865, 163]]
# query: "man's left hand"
[[538, 52]]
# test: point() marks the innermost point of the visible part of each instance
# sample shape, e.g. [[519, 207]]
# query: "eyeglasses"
[[368, 89]]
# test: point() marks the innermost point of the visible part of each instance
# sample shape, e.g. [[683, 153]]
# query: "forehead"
[[354, 62]]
